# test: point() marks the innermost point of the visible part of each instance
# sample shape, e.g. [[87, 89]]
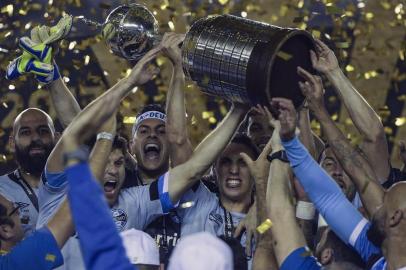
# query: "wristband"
[[105, 135], [305, 210], [81, 155]]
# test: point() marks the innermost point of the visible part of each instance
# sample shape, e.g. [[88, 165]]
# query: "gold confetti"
[[342, 45], [207, 115], [266, 225], [87, 60], [369, 16], [349, 68], [400, 121], [129, 119], [284, 56], [171, 25], [8, 9]]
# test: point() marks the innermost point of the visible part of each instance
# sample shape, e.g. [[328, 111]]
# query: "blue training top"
[[38, 251]]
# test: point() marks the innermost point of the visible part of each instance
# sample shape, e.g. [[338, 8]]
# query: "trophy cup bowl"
[[133, 31], [246, 61]]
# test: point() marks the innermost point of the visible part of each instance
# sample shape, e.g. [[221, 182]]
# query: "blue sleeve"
[[101, 245], [51, 193], [37, 251], [54, 181], [323, 191], [163, 190], [300, 259], [362, 245]]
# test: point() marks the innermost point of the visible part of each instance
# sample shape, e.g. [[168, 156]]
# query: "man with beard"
[[388, 227], [32, 140]]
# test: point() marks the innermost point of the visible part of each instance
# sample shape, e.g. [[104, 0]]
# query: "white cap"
[[201, 251], [140, 247]]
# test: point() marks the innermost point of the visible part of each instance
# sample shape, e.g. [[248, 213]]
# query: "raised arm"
[[306, 135], [184, 176], [64, 102], [180, 148], [350, 159], [104, 106], [282, 212], [362, 114], [264, 257], [100, 242], [61, 224], [322, 190]]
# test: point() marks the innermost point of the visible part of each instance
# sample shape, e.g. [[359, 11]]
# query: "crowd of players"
[[269, 195]]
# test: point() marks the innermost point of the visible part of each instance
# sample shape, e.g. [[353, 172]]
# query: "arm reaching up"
[[362, 114], [185, 175], [180, 148], [105, 105], [351, 160], [64, 102]]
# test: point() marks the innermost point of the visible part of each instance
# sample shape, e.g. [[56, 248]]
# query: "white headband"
[[148, 115]]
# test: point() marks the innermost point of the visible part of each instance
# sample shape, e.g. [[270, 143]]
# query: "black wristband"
[[281, 155]]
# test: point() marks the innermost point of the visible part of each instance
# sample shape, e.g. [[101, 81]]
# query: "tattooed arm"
[[351, 159]]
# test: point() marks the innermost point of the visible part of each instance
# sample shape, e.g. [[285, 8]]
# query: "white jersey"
[[201, 210], [16, 190], [135, 208]]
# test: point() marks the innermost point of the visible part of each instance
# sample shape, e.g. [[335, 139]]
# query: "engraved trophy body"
[[238, 59]]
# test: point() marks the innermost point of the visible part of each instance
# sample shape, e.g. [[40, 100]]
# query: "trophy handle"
[[88, 21]]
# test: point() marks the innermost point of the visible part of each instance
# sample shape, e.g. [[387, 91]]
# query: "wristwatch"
[[281, 155], [81, 154]]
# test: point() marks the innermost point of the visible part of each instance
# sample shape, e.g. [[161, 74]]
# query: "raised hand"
[[249, 224], [259, 168], [143, 71], [170, 44], [287, 117], [312, 89], [324, 59]]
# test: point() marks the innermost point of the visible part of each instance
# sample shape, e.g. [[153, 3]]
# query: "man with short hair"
[[149, 144], [202, 210], [333, 167], [32, 140]]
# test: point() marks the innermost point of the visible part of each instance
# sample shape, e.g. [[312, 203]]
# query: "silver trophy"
[[129, 30], [238, 59]]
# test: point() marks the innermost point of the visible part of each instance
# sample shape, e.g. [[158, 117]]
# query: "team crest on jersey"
[[21, 205], [216, 218], [120, 218]]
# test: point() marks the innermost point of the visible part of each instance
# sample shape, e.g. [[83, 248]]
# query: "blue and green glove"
[[37, 52]]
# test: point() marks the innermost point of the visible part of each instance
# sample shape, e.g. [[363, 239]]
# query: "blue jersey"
[[39, 251], [300, 259]]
